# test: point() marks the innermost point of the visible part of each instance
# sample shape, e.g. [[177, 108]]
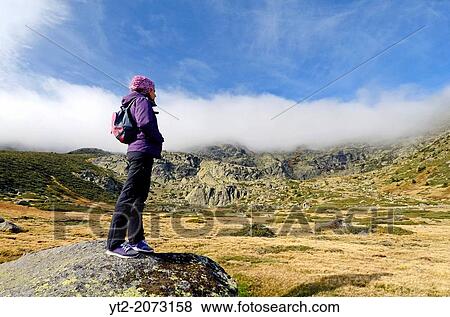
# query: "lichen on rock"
[[84, 269]]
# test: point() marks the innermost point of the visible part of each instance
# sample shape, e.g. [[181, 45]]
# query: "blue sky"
[[286, 48], [225, 68]]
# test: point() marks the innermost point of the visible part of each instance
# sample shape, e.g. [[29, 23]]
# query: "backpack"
[[123, 125]]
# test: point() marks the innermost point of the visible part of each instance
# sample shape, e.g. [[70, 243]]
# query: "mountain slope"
[[425, 171], [49, 180]]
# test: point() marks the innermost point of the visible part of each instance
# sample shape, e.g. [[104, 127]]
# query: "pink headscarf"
[[140, 82]]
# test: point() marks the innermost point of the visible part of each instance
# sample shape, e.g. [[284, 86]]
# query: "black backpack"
[[123, 125]]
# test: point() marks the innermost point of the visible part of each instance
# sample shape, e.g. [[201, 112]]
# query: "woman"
[[140, 156]]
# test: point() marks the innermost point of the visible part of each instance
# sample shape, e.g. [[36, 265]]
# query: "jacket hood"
[[129, 98], [126, 100]]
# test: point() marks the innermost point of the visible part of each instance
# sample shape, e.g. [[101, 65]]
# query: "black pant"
[[131, 202]]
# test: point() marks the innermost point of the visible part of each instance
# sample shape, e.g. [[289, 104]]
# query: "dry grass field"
[[410, 262]]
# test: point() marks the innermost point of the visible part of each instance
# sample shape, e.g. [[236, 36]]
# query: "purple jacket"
[[149, 139]]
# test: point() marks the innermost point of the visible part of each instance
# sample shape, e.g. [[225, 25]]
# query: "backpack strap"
[[128, 110]]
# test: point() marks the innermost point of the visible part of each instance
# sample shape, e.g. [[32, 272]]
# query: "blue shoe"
[[124, 251], [142, 246]]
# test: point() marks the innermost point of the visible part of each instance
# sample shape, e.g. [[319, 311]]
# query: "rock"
[[113, 162], [175, 166], [7, 226], [231, 153], [216, 172], [23, 202], [335, 224], [106, 182], [220, 195], [271, 166], [172, 165], [306, 205], [84, 269]]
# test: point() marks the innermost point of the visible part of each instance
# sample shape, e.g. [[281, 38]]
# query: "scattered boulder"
[[83, 269], [23, 202], [335, 224], [7, 226]]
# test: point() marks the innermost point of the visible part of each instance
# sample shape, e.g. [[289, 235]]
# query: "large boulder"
[[84, 269]]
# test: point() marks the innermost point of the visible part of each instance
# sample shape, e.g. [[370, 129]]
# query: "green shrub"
[[255, 230]]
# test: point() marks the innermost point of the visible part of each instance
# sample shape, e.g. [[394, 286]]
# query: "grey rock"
[[334, 224], [84, 269], [23, 202], [272, 166], [106, 182], [230, 153], [216, 172], [8, 226], [175, 166], [172, 165], [114, 162], [219, 195]]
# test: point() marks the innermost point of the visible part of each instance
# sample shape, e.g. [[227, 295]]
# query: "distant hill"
[[93, 151], [53, 180]]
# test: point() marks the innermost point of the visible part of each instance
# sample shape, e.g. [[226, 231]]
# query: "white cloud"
[[246, 120], [64, 116], [61, 117]]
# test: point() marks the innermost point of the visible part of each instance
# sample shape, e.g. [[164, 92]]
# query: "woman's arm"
[[146, 120]]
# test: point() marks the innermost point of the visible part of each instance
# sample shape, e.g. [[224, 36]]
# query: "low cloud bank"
[[60, 116]]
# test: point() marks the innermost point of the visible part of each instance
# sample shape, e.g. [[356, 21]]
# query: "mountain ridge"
[[218, 175]]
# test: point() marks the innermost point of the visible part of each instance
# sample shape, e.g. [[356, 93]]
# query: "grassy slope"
[[425, 173], [48, 177]]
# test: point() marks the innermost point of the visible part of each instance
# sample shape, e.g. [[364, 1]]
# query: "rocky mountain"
[[84, 269], [224, 174], [221, 175]]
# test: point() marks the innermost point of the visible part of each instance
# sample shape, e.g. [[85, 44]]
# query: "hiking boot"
[[142, 246], [124, 251]]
